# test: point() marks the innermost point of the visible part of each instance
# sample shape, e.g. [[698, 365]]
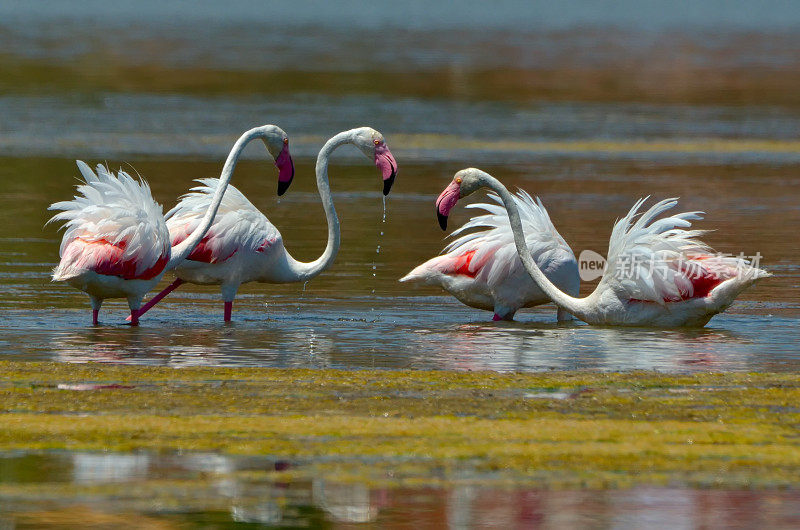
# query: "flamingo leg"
[[508, 317], [135, 303], [228, 294], [157, 298], [96, 303]]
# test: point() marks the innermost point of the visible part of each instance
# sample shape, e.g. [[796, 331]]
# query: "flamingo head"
[[465, 182], [372, 144], [277, 143]]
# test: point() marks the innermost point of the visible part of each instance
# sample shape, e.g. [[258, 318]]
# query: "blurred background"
[[180, 78]]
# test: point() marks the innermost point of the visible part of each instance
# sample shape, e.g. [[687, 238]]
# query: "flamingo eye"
[[376, 142], [458, 180], [286, 140]]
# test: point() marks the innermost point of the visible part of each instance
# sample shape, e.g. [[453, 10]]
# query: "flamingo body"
[[658, 272], [482, 269], [116, 243], [241, 246]]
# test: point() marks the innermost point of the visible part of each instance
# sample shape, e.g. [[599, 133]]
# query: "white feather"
[[238, 225], [655, 259], [494, 244], [115, 209]]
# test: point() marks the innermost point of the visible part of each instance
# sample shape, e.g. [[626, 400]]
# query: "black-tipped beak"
[[283, 185], [387, 184], [442, 219]]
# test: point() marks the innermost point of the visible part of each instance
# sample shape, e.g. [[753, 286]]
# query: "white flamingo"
[[482, 269], [117, 244], [658, 273], [243, 246]]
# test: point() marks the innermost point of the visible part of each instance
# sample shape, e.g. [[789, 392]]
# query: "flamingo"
[[117, 244], [243, 246], [658, 273], [482, 269]]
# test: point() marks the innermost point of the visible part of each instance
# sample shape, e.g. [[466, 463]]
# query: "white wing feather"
[[238, 224], [656, 260], [495, 252], [115, 209]]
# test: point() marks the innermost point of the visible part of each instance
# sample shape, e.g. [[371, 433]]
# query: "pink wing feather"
[[113, 227], [238, 225], [661, 260], [490, 254]]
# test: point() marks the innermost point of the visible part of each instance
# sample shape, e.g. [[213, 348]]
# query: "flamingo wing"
[[661, 260], [113, 227], [238, 226], [489, 254]]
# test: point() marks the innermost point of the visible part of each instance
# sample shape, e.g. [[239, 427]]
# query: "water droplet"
[[378, 245]]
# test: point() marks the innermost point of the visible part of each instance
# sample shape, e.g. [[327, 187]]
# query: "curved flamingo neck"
[[182, 250], [576, 306], [303, 271]]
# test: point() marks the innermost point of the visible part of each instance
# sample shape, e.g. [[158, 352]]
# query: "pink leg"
[[134, 318], [95, 313], [496, 317], [157, 298], [228, 311]]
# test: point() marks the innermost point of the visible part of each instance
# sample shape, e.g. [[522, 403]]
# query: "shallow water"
[[349, 318]]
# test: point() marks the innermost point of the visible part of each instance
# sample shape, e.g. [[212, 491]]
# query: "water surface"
[[357, 315], [144, 489]]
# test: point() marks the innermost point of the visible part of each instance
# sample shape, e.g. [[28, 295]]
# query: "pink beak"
[[446, 201], [285, 169], [386, 163]]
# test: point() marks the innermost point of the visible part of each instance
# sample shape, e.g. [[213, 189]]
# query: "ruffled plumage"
[[113, 226], [494, 257], [662, 260], [238, 225]]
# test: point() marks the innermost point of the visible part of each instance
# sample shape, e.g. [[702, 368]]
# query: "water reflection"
[[90, 468], [405, 332], [213, 487], [345, 503]]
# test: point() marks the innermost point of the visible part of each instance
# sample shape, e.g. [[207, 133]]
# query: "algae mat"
[[551, 430]]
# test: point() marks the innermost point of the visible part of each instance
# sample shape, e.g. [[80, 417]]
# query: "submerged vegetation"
[[557, 430]]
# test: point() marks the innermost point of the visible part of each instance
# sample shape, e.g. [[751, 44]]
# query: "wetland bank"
[[555, 430], [358, 399], [347, 445]]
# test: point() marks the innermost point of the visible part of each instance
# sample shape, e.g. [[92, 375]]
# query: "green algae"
[[555, 429]]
